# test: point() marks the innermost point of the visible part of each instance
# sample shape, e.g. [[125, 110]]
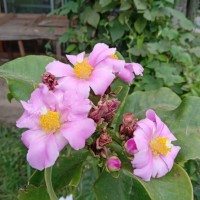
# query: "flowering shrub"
[[108, 149]]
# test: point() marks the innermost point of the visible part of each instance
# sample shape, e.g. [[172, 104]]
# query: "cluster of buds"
[[128, 126], [99, 147], [49, 80], [104, 110]]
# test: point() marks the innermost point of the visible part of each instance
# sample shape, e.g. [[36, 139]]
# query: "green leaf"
[[140, 4], [159, 100], [130, 187], [184, 123], [104, 3], [70, 48], [140, 24], [168, 187], [124, 187], [116, 30], [169, 74], [125, 5], [85, 191], [196, 51], [91, 17], [183, 21], [24, 74], [68, 170], [33, 193], [121, 97]]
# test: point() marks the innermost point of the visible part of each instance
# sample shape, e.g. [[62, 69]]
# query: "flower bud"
[[130, 146], [113, 164], [103, 140], [49, 80], [128, 125], [104, 111]]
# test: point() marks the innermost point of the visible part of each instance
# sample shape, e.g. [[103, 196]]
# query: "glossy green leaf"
[[162, 99], [140, 4], [84, 191], [124, 187], [23, 74], [184, 123], [69, 169], [130, 187], [33, 193]]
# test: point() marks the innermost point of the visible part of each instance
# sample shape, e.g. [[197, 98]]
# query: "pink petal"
[[77, 132], [169, 158], [100, 80], [28, 121], [99, 53], [137, 68], [148, 127], [142, 158], [159, 167], [80, 86], [61, 142], [59, 69], [126, 75], [30, 136], [76, 58], [141, 139], [43, 152], [146, 171]]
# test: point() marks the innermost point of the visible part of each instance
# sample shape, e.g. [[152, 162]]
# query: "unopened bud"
[[49, 80], [130, 146], [113, 163], [103, 140], [128, 125]]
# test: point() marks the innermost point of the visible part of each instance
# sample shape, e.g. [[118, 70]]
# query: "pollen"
[[50, 122], [160, 146], [83, 70], [114, 56]]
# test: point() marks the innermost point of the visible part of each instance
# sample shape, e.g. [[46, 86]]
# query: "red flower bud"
[[49, 80]]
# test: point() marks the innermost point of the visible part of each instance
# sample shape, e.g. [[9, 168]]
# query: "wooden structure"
[[20, 27]]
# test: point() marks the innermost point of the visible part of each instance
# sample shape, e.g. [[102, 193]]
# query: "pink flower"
[[113, 164], [128, 73], [155, 155], [53, 120], [87, 71], [130, 146]]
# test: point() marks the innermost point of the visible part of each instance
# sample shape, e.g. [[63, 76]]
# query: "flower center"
[[50, 122], [83, 69], [114, 56], [160, 146]]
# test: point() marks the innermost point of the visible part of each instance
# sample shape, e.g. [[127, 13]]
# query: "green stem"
[[47, 176]]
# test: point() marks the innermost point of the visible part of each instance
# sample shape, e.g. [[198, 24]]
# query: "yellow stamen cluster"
[[50, 122], [160, 146], [83, 70], [114, 56]]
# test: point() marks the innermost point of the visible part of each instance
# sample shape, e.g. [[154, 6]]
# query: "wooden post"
[[192, 8], [21, 48]]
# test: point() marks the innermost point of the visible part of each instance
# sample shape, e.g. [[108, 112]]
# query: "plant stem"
[[47, 176]]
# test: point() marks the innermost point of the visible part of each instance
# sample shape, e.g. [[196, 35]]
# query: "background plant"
[[150, 32]]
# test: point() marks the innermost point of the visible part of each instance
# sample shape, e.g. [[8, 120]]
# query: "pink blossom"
[[113, 164], [87, 71], [129, 71], [155, 155], [54, 120], [130, 146]]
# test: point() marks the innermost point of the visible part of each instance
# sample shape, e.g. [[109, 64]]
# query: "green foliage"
[[13, 166], [152, 33], [24, 74]]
